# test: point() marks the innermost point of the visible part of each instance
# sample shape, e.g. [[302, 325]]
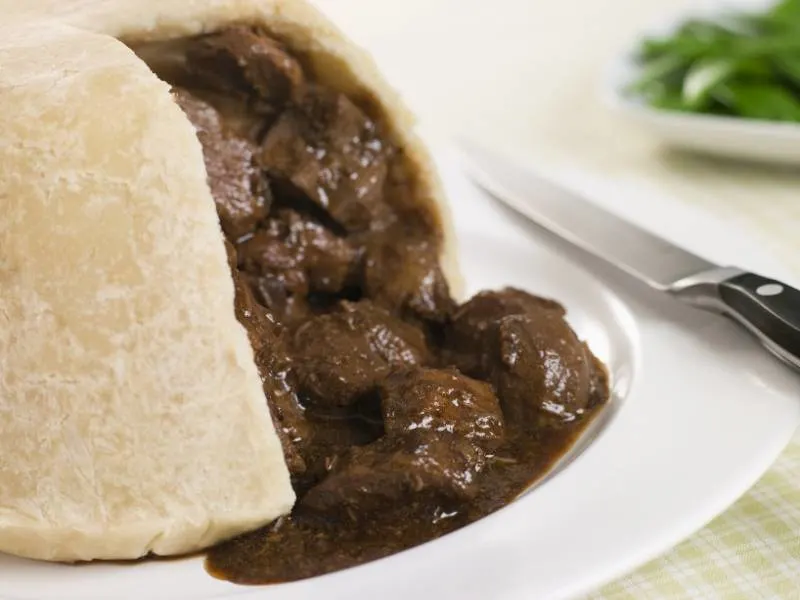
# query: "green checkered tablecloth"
[[751, 551]]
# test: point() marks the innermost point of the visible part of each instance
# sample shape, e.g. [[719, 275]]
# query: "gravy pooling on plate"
[[402, 415]]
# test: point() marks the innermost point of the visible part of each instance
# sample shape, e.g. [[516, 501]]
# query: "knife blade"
[[767, 308]]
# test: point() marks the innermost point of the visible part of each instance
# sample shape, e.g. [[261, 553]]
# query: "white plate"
[[729, 137], [700, 412]]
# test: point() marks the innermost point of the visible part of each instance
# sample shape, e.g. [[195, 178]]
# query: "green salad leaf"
[[787, 12], [757, 101], [789, 67], [739, 64], [703, 77]]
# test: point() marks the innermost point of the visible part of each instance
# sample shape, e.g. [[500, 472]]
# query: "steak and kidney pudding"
[[403, 415]]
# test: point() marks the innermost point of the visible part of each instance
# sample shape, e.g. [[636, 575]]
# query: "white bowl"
[[729, 137]]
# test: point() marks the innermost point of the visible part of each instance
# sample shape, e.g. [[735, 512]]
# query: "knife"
[[767, 308]]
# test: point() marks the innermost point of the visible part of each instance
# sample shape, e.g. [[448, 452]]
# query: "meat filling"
[[242, 63], [544, 375], [402, 416], [329, 150], [289, 257], [344, 355], [237, 185]]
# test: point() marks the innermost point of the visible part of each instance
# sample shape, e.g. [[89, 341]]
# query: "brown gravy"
[[297, 547]]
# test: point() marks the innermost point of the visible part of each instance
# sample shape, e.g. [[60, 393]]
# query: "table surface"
[[526, 74]]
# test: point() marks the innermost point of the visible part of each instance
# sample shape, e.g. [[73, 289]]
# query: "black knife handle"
[[769, 308]]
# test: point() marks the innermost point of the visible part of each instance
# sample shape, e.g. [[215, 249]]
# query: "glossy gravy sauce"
[[300, 546]]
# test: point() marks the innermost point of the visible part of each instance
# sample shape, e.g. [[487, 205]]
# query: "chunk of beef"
[[262, 328], [403, 275], [541, 371], [523, 345], [474, 321], [397, 474], [288, 416], [327, 148], [243, 60], [342, 356], [335, 432], [438, 425], [241, 194], [290, 309], [433, 402], [300, 253], [292, 256], [274, 367]]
